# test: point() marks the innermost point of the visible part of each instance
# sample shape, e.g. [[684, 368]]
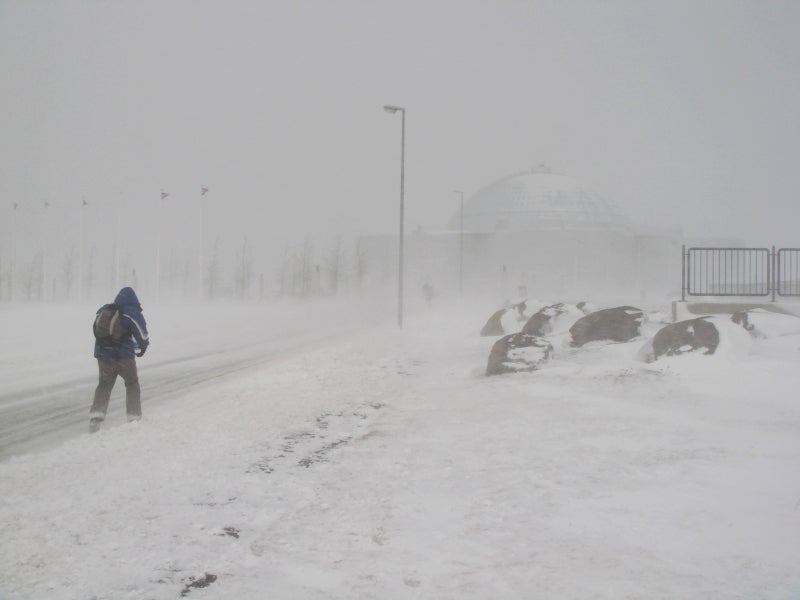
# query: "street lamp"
[[13, 252], [392, 110], [201, 287], [461, 245]]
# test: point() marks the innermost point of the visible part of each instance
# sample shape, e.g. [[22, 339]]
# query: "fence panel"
[[728, 272], [787, 271]]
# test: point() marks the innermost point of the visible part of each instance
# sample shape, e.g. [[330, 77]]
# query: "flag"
[[203, 191], [164, 194]]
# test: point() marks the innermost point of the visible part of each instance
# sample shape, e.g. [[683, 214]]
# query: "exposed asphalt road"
[[43, 417]]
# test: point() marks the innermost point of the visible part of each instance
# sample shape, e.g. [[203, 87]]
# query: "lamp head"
[[391, 109]]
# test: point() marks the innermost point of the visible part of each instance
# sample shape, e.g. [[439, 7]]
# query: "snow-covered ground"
[[384, 464], [49, 374]]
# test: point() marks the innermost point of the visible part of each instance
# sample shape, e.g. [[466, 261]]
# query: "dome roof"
[[535, 200]]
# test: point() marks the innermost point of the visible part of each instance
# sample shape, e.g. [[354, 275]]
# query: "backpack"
[[107, 327]]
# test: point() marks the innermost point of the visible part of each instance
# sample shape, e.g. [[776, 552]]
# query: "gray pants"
[[109, 369]]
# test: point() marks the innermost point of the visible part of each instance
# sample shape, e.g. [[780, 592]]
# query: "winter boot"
[[94, 424]]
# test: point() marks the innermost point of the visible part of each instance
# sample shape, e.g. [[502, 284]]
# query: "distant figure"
[[427, 291], [120, 336]]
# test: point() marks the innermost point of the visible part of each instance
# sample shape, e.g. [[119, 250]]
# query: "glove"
[[141, 351]]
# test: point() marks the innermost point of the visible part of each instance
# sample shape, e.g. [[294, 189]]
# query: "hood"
[[127, 296]]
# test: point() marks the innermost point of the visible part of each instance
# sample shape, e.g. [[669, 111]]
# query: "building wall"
[[548, 264]]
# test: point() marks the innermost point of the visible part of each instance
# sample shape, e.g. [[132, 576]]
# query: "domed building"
[[538, 200], [534, 233]]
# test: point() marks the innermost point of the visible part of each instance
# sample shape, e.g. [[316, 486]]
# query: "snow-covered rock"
[[518, 352], [767, 324], [692, 335], [556, 318], [703, 335], [618, 324], [511, 318]]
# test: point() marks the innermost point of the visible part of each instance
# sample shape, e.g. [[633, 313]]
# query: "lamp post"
[[13, 251], [158, 245], [81, 233], [118, 278], [392, 110], [45, 263], [461, 245], [200, 283]]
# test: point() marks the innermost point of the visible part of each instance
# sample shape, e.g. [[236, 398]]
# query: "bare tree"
[[186, 272], [68, 269], [213, 270], [244, 269], [32, 284], [114, 274], [127, 271], [298, 274], [90, 271], [294, 261], [334, 265], [306, 269], [4, 277], [359, 261], [284, 270]]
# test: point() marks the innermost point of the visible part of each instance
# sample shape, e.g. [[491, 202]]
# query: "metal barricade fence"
[[787, 271], [740, 272]]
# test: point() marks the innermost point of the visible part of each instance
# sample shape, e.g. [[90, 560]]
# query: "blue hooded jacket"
[[132, 322]]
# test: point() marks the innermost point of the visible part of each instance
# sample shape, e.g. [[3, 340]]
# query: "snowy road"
[[43, 417], [39, 416]]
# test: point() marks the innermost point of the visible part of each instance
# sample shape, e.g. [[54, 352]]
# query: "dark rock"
[[493, 325], [618, 324], [742, 317], [203, 582], [518, 352], [686, 336]]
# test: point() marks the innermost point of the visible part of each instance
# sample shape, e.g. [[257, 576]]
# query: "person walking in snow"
[[124, 338], [427, 292]]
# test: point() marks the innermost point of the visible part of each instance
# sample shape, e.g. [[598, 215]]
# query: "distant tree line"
[[302, 271]]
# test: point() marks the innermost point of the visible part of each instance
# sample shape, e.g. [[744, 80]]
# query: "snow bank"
[[770, 324]]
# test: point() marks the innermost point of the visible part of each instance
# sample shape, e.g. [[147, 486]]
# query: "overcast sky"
[[681, 112]]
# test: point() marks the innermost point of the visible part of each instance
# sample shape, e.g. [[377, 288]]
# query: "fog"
[[684, 114], [506, 436]]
